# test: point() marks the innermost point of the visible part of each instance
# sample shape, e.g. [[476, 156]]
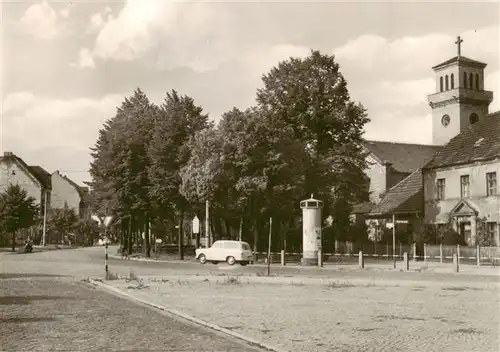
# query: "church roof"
[[479, 142], [404, 157], [405, 197], [461, 60]]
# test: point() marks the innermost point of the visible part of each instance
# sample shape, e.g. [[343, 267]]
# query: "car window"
[[217, 245], [231, 245]]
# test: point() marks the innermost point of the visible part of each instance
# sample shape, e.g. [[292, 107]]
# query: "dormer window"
[[478, 142]]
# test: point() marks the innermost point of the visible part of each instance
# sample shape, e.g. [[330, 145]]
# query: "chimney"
[[8, 154]]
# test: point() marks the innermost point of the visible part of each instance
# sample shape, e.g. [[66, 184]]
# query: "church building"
[[453, 181]]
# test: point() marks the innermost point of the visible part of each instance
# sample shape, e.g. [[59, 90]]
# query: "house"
[[461, 182], [66, 191], [454, 180], [34, 179]]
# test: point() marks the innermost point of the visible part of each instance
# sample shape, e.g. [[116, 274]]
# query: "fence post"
[[455, 263], [106, 258], [478, 255], [406, 261], [387, 250], [361, 260], [336, 246], [320, 258], [425, 252], [415, 252], [441, 253], [282, 257], [458, 253], [400, 249]]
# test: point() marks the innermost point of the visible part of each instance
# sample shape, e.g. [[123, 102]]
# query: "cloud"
[[32, 122], [98, 20], [85, 59], [64, 12], [41, 21]]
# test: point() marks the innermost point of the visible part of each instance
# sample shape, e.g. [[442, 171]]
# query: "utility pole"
[[44, 238], [269, 247], [394, 240]]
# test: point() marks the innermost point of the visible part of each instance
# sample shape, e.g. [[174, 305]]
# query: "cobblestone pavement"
[[339, 315], [56, 314]]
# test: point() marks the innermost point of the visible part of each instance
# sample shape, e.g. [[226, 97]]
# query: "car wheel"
[[231, 260], [202, 258], [215, 262], [243, 263]]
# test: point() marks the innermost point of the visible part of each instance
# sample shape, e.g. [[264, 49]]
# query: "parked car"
[[226, 251]]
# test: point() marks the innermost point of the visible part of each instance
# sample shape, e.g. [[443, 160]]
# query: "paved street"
[[60, 314], [89, 262]]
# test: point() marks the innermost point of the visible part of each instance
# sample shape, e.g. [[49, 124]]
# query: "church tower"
[[460, 99]]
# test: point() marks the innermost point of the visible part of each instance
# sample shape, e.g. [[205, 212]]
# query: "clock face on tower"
[[445, 120]]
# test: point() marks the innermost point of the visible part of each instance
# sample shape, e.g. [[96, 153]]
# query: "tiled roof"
[[463, 60], [405, 197], [480, 141], [36, 172], [42, 175], [362, 208], [404, 157]]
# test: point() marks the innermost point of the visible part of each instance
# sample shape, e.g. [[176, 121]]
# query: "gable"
[[464, 207], [10, 158], [403, 157]]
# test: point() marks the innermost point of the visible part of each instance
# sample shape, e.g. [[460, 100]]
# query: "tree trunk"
[[129, 236], [180, 236], [228, 229], [13, 241], [147, 249], [212, 231]]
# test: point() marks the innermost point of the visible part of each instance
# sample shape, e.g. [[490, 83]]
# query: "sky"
[[66, 66]]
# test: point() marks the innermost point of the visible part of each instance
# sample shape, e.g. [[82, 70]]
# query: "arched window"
[[477, 81], [446, 82], [473, 118], [452, 81], [465, 79], [471, 81], [440, 84]]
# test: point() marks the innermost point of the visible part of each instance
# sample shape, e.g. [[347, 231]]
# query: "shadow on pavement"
[[26, 319], [23, 300], [26, 275]]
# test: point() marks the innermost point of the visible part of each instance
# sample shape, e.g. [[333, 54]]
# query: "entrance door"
[[465, 231]]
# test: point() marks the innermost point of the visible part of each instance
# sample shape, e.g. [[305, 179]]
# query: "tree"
[[177, 120], [61, 222], [311, 97], [120, 167], [87, 231], [17, 211]]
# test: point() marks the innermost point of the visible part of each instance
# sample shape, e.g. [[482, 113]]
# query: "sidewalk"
[[430, 267]]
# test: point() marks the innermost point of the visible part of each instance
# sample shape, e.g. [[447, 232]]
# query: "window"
[[473, 118], [465, 79], [452, 81], [477, 81], [446, 83], [464, 186], [471, 81], [491, 184], [441, 185], [440, 84], [492, 231]]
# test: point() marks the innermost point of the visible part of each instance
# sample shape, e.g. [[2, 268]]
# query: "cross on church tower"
[[459, 46]]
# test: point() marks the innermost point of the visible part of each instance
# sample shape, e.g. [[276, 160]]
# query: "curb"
[[184, 316]]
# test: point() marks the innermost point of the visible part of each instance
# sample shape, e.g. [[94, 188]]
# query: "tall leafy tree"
[[17, 211], [177, 120], [119, 169], [310, 96]]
